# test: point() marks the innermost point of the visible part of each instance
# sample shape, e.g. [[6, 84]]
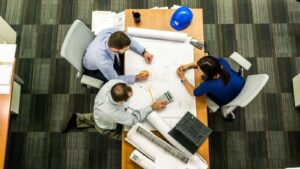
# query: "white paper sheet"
[[107, 19], [166, 161], [5, 73], [141, 97], [7, 53], [119, 21], [102, 20], [157, 34], [168, 56]]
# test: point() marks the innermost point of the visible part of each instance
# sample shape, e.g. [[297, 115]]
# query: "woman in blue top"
[[221, 83]]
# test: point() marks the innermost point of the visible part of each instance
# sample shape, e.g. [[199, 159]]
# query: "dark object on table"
[[136, 17], [190, 132]]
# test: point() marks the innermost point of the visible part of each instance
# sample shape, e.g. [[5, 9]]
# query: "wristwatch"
[[183, 80], [144, 52]]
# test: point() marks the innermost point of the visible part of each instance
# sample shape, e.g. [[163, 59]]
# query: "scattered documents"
[[107, 19], [168, 56]]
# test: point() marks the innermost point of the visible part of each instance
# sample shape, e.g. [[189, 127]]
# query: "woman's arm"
[[188, 66], [189, 87]]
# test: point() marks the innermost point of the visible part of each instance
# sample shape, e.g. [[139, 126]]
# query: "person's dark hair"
[[211, 66], [119, 92], [118, 40]]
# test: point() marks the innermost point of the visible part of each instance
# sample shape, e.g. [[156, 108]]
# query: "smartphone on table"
[[197, 43]]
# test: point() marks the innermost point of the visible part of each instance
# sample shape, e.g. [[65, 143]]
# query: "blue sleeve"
[[224, 63], [136, 47], [110, 73], [201, 89]]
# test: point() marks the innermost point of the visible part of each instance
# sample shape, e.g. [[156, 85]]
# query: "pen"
[[150, 92]]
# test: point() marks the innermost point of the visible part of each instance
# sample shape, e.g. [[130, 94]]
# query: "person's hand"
[[148, 57], [143, 75], [180, 73], [184, 67], [158, 105]]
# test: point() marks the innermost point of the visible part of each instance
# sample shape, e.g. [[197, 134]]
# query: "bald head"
[[121, 92]]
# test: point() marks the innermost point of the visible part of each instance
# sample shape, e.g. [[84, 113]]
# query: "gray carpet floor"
[[266, 134]]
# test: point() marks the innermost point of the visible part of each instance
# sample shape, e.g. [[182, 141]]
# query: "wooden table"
[[160, 19], [5, 101]]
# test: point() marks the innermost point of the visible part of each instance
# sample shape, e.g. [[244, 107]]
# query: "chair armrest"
[[18, 79], [240, 60], [90, 81], [211, 104], [296, 88]]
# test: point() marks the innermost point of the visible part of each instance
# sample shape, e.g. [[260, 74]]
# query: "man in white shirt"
[[110, 110]]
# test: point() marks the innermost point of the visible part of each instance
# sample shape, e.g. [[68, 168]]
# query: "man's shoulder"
[[112, 82], [108, 31], [108, 85]]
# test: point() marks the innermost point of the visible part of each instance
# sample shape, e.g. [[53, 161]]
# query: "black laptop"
[[190, 132]]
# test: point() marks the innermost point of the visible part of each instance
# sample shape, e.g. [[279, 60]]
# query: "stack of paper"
[[107, 19]]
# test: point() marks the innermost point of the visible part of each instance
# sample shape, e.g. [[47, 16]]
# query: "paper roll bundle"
[[141, 160], [157, 34], [141, 143], [163, 128]]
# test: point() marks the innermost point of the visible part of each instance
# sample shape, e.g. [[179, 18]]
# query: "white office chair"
[[253, 85], [7, 33], [296, 88], [74, 46]]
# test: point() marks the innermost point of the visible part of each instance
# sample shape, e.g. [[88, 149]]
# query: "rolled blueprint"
[[157, 34], [151, 149], [163, 128], [162, 144], [150, 144], [141, 160], [142, 143]]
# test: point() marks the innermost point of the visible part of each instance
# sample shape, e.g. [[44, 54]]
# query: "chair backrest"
[[7, 34], [240, 60], [76, 41], [253, 85]]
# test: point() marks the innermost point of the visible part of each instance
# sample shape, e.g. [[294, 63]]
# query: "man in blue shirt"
[[104, 55]]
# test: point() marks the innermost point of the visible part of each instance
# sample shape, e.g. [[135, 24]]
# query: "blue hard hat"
[[181, 18]]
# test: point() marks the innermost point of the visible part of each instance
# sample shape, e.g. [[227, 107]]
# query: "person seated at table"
[[220, 82], [110, 110], [104, 57]]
